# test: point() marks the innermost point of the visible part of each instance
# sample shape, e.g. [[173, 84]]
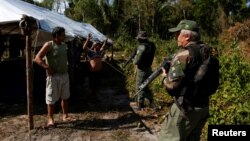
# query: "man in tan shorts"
[[57, 81]]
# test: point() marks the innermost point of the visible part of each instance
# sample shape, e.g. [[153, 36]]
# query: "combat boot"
[[140, 106], [153, 105]]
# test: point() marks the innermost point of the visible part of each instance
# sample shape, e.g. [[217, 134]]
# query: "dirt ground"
[[111, 119]]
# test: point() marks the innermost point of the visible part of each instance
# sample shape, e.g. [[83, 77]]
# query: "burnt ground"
[[109, 119]]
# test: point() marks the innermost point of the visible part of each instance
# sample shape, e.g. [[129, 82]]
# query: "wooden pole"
[[26, 29], [29, 82]]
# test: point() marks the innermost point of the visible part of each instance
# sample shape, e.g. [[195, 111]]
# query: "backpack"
[[202, 76], [206, 78]]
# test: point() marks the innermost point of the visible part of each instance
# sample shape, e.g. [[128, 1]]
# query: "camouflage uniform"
[[188, 114], [143, 59], [180, 123]]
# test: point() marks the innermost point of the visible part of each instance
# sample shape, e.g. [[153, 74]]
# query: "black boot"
[[153, 105], [139, 106]]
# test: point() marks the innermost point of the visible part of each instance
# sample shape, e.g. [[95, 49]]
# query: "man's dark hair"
[[142, 40], [57, 31]]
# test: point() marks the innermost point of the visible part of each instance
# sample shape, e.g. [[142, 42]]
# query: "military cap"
[[142, 35], [185, 24]]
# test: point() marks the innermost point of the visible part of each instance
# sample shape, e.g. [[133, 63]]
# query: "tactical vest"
[[197, 86], [147, 56]]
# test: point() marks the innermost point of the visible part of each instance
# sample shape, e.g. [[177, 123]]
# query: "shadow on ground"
[[110, 117]]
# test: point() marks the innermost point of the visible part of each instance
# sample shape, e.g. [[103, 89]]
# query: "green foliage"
[[205, 13], [154, 16], [230, 105], [125, 43]]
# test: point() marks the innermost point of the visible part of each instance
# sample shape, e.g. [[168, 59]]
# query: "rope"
[[114, 68]]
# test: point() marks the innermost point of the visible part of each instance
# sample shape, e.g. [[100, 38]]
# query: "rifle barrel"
[[165, 64]]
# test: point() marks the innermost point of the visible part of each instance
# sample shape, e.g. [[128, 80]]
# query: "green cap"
[[185, 24]]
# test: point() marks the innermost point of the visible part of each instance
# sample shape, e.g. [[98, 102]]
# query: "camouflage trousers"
[[180, 127], [141, 76]]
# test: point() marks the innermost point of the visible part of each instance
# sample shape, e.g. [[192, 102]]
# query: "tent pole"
[[26, 29], [29, 82]]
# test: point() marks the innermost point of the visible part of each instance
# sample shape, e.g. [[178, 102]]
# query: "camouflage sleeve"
[[176, 70], [138, 55]]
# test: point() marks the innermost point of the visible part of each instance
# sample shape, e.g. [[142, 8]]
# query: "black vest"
[[147, 56]]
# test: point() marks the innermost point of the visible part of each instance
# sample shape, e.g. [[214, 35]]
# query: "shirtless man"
[[95, 55]]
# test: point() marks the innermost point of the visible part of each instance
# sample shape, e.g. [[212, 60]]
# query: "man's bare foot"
[[69, 119], [51, 123]]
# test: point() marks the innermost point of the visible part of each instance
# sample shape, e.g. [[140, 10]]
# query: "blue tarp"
[[12, 10]]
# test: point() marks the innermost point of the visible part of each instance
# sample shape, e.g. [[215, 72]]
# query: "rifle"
[[165, 65], [130, 58]]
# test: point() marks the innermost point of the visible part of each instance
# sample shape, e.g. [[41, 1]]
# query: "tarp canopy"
[[11, 12]]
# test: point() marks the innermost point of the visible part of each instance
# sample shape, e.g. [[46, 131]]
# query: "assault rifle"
[[165, 65], [130, 58]]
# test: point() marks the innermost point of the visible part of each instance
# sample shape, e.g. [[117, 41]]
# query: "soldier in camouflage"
[[143, 60], [187, 116]]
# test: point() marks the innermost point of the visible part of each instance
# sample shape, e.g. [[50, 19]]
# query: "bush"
[[231, 105]]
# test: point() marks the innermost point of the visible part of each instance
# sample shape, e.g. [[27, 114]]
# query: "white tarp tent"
[[11, 12]]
